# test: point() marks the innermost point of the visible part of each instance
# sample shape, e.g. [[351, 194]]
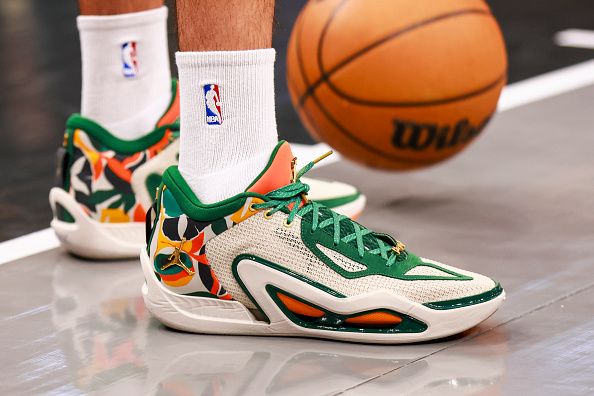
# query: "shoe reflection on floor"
[[110, 342]]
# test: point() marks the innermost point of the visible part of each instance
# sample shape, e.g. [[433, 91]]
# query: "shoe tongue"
[[278, 172]]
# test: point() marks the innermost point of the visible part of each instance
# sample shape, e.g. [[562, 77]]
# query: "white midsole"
[[215, 316], [89, 238], [352, 209]]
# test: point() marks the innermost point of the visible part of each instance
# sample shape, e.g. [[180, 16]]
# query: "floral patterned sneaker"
[[106, 185], [270, 261]]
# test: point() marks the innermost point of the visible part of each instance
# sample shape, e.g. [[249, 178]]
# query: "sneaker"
[[270, 261], [107, 184]]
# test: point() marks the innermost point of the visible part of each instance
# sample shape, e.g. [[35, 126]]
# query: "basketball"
[[396, 84]]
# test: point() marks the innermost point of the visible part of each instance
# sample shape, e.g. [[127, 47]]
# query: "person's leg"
[[250, 22], [115, 7], [226, 72], [126, 84]]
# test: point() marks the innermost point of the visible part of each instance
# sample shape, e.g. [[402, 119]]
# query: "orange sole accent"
[[300, 308], [375, 319]]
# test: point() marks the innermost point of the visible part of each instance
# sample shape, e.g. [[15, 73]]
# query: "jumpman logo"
[[175, 259]]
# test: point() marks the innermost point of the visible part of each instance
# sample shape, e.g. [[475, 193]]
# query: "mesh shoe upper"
[[271, 240]]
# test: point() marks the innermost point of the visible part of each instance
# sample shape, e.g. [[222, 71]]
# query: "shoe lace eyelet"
[[287, 224], [267, 215], [251, 208]]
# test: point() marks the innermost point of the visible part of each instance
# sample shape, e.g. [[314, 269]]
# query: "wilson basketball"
[[396, 84]]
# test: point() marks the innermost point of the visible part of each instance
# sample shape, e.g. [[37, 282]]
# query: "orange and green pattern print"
[[178, 244], [100, 178]]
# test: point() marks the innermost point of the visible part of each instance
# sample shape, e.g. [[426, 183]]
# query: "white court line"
[[28, 245], [547, 85], [514, 95], [576, 38]]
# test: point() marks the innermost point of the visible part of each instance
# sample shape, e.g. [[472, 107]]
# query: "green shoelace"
[[292, 195]]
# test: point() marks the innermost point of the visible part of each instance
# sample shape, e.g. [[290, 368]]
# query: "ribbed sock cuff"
[[197, 60], [108, 22]]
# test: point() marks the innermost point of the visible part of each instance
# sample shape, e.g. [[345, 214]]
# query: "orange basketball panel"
[[405, 101], [367, 24], [437, 62], [353, 148], [306, 35], [295, 78], [389, 137]]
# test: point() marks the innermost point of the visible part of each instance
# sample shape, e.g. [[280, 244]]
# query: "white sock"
[[219, 157], [126, 98]]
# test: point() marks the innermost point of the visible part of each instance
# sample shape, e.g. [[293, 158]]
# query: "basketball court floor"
[[517, 205]]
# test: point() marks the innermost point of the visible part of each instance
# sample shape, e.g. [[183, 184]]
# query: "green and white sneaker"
[[271, 262], [105, 185]]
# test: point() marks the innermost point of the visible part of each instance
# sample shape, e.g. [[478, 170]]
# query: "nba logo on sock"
[[129, 62], [212, 99]]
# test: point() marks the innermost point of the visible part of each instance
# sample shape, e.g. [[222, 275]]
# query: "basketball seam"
[[299, 27], [349, 134], [451, 99], [321, 40], [301, 66], [338, 126], [325, 75]]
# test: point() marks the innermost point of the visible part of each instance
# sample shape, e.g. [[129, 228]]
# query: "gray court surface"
[[518, 205]]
